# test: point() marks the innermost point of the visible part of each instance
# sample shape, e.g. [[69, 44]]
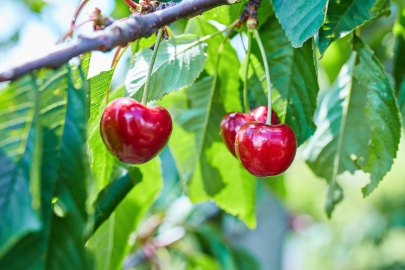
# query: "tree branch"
[[120, 33]]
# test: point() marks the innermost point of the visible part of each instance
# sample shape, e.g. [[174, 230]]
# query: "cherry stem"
[[115, 63], [245, 84], [267, 71], [78, 9], [70, 32], [115, 56], [132, 4], [214, 83], [152, 61], [169, 31]]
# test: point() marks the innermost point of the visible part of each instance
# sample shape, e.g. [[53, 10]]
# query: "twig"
[[120, 33]]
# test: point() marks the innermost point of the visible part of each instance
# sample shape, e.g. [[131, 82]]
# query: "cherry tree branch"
[[120, 33]]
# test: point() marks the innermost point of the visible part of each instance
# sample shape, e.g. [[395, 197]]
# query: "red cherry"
[[265, 150], [133, 132], [260, 115], [230, 125]]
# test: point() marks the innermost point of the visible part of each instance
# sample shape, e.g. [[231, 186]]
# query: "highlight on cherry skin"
[[230, 125], [133, 132], [260, 115], [265, 150]]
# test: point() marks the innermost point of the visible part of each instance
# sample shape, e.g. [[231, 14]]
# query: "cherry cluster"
[[135, 133], [264, 150]]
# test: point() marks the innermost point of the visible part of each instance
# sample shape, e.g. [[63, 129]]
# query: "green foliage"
[[229, 81], [63, 179], [300, 19], [381, 113], [225, 14], [345, 16], [399, 67], [71, 187], [203, 161], [101, 160], [340, 142], [358, 125], [18, 142], [35, 5], [172, 70], [228, 257], [99, 86], [110, 242], [67, 203], [293, 76]]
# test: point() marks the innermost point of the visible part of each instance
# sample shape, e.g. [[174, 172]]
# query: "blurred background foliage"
[[293, 232]]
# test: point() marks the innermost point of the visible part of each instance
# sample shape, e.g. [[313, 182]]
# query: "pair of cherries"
[[263, 150]]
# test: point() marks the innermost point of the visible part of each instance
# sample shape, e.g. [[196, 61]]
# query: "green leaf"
[[53, 96], [226, 14], [72, 179], [101, 161], [381, 112], [301, 19], [229, 61], [110, 242], [178, 63], [35, 5], [344, 16], [202, 261], [276, 185], [142, 43], [99, 86], [203, 161], [85, 64], [381, 5], [216, 245], [264, 12], [64, 173], [244, 260], [340, 142], [399, 67], [112, 195], [294, 79], [18, 169]]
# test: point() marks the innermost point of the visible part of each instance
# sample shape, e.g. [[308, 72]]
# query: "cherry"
[[260, 115], [265, 150], [230, 125], [133, 132]]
